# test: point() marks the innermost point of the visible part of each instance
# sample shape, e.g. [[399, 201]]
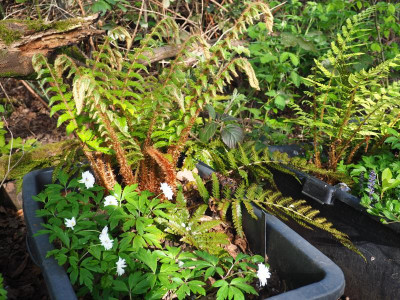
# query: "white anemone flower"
[[87, 179], [105, 240], [121, 264], [263, 274], [70, 223], [167, 191], [112, 35], [110, 200]]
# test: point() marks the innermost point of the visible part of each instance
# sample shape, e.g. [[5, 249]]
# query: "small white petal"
[[87, 179], [107, 243], [121, 264], [70, 223], [263, 274], [105, 240], [167, 191], [110, 200]]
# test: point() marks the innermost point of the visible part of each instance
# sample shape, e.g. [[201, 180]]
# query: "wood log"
[[20, 40], [170, 51]]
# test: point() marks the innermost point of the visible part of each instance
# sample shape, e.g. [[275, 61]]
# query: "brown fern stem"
[[97, 170], [380, 142], [125, 169], [108, 182], [317, 160], [152, 182], [353, 152], [143, 174], [347, 114], [349, 140], [167, 167], [332, 156], [110, 177]]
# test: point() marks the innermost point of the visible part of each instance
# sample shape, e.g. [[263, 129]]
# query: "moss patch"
[[17, 75], [8, 35], [11, 30], [65, 24]]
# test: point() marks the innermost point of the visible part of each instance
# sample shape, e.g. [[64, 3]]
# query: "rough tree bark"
[[20, 40]]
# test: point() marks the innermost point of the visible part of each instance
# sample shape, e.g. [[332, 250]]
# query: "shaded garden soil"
[[27, 117], [22, 278]]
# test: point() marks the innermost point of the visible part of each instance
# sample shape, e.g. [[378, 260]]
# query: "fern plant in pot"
[[347, 114], [127, 228]]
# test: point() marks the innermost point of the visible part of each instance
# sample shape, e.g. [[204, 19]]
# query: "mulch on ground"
[[27, 117], [22, 278]]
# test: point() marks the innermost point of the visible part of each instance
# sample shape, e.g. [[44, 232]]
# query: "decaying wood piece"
[[170, 51], [20, 40]]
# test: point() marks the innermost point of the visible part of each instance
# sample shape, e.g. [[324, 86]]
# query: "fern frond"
[[304, 215], [215, 187], [240, 191], [249, 209], [201, 188], [237, 216], [196, 230], [227, 192], [198, 213], [223, 207]]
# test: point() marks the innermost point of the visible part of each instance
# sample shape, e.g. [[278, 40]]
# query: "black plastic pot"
[[308, 273], [376, 278]]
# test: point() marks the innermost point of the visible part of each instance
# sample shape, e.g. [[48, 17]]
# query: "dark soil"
[[22, 278], [275, 286], [27, 117]]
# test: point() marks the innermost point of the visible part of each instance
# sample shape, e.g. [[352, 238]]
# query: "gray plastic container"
[[376, 278], [57, 280], [310, 274]]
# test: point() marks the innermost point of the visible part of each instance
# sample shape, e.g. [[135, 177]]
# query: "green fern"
[[201, 188], [215, 186], [139, 121], [195, 229], [302, 164], [303, 214], [347, 108], [264, 192]]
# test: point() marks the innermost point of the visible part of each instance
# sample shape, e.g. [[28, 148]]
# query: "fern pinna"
[[139, 122], [348, 109]]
